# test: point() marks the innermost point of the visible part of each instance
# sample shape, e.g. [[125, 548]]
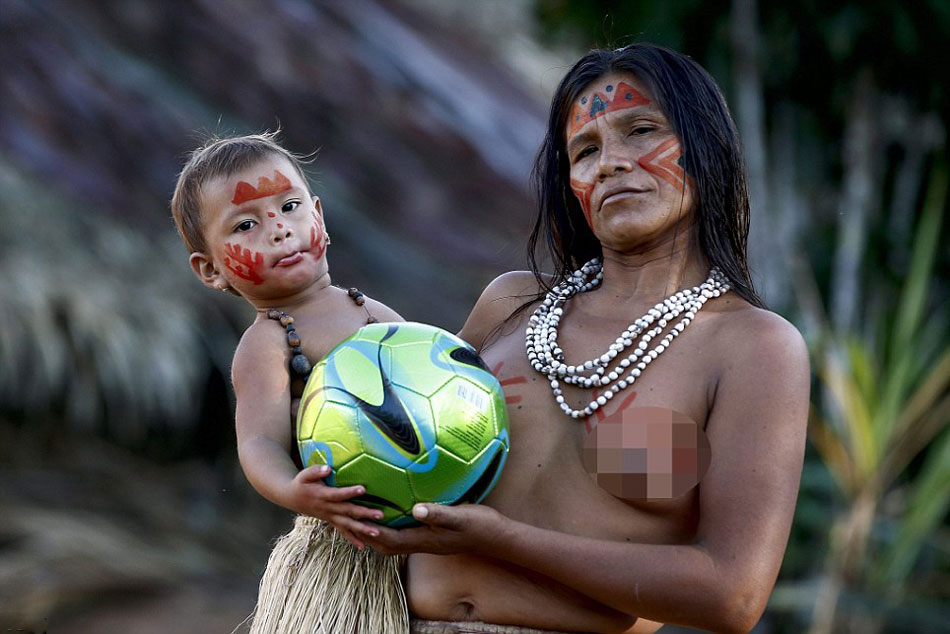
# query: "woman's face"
[[624, 164]]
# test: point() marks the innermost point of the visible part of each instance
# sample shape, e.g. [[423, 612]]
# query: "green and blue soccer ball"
[[410, 412]]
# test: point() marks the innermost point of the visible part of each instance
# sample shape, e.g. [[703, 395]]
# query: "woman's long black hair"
[[711, 156]]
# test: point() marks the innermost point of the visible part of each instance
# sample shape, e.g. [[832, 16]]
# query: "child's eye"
[[246, 225], [290, 205]]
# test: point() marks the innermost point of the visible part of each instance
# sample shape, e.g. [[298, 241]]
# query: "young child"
[[244, 210]]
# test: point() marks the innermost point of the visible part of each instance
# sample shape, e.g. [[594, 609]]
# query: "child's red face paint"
[[246, 264], [265, 187], [268, 241], [318, 237], [597, 104]]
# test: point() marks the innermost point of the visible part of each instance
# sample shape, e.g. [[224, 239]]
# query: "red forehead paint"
[[663, 161], [619, 97], [244, 263], [265, 187], [583, 191]]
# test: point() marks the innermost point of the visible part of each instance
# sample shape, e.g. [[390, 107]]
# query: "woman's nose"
[[613, 162], [614, 159]]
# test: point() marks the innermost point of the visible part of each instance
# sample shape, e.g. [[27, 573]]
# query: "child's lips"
[[290, 260]]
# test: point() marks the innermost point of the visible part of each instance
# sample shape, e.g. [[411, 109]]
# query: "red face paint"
[[512, 380], [271, 214], [663, 161], [583, 191], [244, 263], [318, 237], [619, 97], [265, 187]]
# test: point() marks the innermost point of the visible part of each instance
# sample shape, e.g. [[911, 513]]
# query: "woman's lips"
[[290, 260], [624, 193]]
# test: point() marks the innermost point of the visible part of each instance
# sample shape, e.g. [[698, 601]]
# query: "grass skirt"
[[316, 582]]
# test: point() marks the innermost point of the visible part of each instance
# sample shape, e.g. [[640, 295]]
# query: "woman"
[[656, 482]]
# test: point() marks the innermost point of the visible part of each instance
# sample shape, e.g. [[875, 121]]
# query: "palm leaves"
[[887, 398]]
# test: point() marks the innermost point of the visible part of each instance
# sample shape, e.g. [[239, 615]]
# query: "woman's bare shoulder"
[[500, 299], [515, 285], [757, 327], [759, 340]]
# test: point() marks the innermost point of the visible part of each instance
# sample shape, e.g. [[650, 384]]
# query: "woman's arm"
[[756, 429]]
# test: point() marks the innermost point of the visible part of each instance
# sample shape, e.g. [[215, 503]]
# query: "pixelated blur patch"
[[647, 452]]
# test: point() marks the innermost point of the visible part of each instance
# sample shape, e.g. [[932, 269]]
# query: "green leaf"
[[926, 506], [917, 286], [911, 305]]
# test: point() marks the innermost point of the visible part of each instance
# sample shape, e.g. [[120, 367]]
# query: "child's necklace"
[[299, 363]]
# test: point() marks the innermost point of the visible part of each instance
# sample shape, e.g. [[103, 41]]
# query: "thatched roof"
[[424, 146]]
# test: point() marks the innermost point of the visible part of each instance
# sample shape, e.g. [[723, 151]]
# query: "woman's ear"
[[205, 270]]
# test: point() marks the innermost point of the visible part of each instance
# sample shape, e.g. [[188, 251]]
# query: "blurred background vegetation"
[[123, 507]]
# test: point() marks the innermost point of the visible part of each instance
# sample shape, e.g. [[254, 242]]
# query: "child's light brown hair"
[[220, 156]]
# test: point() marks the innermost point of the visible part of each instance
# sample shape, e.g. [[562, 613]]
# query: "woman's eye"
[[290, 205], [247, 225], [641, 129], [587, 151]]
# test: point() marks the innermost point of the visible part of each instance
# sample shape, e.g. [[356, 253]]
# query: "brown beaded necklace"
[[299, 363]]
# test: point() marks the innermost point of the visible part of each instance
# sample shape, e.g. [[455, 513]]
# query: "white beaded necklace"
[[546, 356]]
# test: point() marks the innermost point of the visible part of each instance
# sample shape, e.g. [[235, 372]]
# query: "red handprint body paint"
[[318, 237], [246, 264]]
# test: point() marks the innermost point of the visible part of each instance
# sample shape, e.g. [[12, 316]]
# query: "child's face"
[[263, 233]]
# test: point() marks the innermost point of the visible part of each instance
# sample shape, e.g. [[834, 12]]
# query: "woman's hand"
[[310, 495], [446, 530]]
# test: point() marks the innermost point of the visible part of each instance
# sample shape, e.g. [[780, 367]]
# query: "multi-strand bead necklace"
[[546, 356]]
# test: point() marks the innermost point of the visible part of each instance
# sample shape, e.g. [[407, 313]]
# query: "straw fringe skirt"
[[316, 582], [417, 626]]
